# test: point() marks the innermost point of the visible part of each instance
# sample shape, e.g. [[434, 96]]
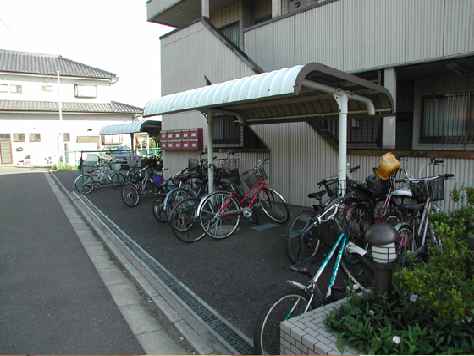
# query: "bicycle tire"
[[130, 196], [298, 247], [173, 198], [359, 270], [184, 223], [271, 201], [212, 224], [117, 179], [80, 181], [158, 212], [266, 338]]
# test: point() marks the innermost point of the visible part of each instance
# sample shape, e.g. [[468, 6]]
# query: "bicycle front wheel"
[[274, 206], [220, 215], [184, 222], [81, 182], [158, 210], [266, 338], [130, 196]]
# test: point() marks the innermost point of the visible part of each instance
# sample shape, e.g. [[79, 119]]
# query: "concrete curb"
[[204, 330]]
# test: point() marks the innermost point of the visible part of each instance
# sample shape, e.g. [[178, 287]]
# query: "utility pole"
[[60, 111]]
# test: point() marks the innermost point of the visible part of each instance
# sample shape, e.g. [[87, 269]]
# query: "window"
[[15, 89], [448, 118], [66, 137], [47, 88], [85, 91], [88, 139], [226, 132], [112, 139], [18, 137], [4, 136], [10, 88], [35, 137]]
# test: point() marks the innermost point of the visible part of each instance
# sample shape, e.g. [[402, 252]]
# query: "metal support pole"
[[210, 154], [342, 101]]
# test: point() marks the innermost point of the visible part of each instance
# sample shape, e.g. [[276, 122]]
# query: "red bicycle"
[[220, 212]]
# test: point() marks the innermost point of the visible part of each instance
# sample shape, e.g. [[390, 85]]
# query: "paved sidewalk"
[[52, 299]]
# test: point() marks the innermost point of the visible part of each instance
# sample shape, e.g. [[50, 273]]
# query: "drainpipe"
[[210, 154], [342, 101]]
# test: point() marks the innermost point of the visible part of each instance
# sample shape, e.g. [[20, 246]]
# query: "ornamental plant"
[[431, 307]]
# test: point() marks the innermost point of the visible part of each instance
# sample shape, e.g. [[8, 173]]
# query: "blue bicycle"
[[349, 257]]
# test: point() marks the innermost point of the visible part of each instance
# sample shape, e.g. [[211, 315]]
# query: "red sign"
[[181, 140]]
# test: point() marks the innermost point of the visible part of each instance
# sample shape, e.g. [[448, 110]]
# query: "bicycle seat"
[[317, 195], [412, 207]]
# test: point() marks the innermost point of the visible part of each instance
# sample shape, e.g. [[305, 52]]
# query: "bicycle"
[[100, 176], [220, 212], [148, 183], [354, 262], [412, 218], [183, 219], [303, 240]]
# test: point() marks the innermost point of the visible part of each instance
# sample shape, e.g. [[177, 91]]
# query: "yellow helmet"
[[388, 166]]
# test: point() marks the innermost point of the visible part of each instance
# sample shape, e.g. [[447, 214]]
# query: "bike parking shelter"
[[152, 127], [300, 93]]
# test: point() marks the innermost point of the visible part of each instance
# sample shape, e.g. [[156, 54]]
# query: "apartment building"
[[33, 88], [422, 51]]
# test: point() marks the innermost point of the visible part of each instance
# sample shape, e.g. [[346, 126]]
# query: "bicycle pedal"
[[247, 213]]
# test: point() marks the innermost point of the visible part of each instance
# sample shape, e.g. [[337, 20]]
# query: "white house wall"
[[365, 34], [32, 89], [49, 127]]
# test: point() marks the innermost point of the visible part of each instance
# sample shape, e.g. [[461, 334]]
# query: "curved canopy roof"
[[287, 94], [150, 126]]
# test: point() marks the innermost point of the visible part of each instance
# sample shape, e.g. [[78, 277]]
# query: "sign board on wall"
[[181, 140]]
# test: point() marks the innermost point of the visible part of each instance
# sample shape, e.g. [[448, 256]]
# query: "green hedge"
[[431, 308]]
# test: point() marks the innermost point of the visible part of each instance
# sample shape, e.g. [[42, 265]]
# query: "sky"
[[109, 34]]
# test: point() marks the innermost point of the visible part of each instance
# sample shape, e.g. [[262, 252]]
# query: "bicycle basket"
[[423, 189]]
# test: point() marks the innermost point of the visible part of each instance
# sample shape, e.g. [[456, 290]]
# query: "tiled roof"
[[47, 64], [51, 106]]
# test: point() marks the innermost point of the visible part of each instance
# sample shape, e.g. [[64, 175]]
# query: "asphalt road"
[[52, 300], [236, 276]]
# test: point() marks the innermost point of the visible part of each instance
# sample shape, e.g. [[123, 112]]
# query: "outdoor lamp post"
[[384, 255]]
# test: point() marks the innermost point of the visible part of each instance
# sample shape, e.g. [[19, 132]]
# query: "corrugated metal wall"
[[357, 35], [186, 56], [299, 159]]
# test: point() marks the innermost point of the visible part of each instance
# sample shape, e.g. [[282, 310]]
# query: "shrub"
[[431, 308]]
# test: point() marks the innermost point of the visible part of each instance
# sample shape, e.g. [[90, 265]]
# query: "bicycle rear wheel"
[[266, 338], [130, 196], [173, 198], [300, 247], [359, 271], [274, 206], [184, 222], [220, 215]]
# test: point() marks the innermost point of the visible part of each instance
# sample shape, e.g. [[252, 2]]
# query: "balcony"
[[174, 13]]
